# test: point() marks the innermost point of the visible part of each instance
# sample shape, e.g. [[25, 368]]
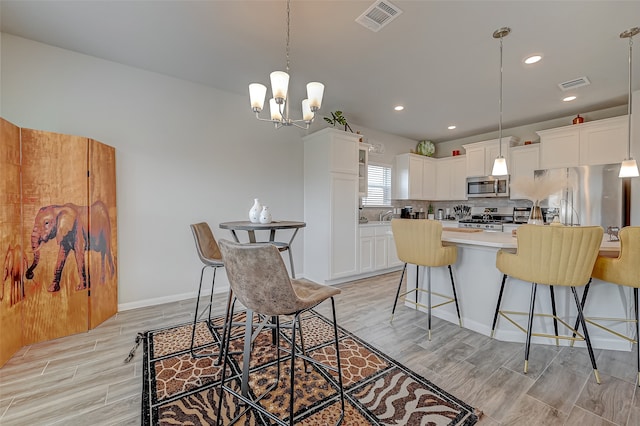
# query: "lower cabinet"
[[377, 249]]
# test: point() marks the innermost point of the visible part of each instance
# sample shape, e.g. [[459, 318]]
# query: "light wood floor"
[[82, 379]]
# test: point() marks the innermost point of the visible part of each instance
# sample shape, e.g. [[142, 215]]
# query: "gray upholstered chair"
[[210, 255], [260, 281]]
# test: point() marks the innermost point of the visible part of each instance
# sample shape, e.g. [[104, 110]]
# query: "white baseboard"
[[166, 299]]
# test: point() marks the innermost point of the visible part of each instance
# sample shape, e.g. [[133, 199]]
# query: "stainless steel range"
[[487, 218]]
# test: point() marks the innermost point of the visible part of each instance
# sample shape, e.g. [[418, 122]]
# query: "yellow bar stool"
[[553, 256], [419, 242], [625, 271]]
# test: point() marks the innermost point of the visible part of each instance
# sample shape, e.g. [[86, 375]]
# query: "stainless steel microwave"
[[488, 186]]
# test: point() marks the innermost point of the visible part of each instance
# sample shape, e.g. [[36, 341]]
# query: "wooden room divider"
[[59, 232]]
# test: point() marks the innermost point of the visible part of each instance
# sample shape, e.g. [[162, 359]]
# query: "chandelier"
[[500, 164], [629, 167], [279, 104]]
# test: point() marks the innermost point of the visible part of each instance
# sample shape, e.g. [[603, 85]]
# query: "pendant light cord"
[[500, 121], [288, 37], [629, 101]]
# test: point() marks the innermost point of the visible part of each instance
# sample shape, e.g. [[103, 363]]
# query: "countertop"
[[507, 241]]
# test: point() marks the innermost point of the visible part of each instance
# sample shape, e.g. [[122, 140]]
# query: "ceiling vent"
[[574, 84], [378, 15]]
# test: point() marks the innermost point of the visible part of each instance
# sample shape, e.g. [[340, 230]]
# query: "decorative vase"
[[254, 213], [535, 218], [265, 215]]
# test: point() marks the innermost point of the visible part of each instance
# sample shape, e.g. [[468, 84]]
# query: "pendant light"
[[279, 104], [500, 164], [629, 167]]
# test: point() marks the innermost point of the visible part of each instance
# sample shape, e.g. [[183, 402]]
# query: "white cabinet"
[[481, 155], [392, 253], [366, 249], [596, 142], [524, 161], [377, 249], [363, 171], [451, 178], [414, 177], [330, 205]]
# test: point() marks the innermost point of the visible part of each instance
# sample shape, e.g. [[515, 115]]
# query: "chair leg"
[[292, 372], [527, 344], [304, 350], [395, 302], [495, 315], [335, 334], [428, 274], [584, 301], [635, 299], [226, 339], [417, 281], [247, 352], [555, 314], [195, 315], [225, 325], [213, 283], [293, 272], [455, 296], [586, 334]]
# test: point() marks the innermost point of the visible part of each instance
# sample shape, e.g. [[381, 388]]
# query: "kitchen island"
[[478, 283]]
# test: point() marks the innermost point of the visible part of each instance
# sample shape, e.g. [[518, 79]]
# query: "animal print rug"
[[179, 389]]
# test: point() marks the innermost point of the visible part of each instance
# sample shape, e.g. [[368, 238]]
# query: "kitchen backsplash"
[[373, 213]]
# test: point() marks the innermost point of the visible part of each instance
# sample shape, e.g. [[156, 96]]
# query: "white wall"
[[184, 153]]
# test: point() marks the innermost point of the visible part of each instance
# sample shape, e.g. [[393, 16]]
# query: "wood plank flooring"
[[82, 379]]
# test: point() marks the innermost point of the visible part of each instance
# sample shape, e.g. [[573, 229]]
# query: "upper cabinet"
[[480, 155], [596, 142], [451, 178], [524, 160], [414, 177]]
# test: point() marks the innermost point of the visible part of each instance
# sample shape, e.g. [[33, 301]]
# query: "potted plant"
[[430, 214], [338, 118]]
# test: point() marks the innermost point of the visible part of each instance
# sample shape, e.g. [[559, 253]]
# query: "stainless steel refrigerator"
[[594, 195]]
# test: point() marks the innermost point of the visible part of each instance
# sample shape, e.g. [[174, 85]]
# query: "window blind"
[[379, 190]]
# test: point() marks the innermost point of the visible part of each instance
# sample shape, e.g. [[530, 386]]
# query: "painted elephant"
[[77, 228], [15, 263]]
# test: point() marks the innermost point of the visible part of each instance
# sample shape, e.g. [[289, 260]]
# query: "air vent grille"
[[378, 15], [575, 83]]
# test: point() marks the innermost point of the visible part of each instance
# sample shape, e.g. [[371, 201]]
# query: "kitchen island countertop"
[[507, 241]]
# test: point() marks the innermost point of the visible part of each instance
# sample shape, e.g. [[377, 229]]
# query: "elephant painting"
[[77, 228], [15, 263]]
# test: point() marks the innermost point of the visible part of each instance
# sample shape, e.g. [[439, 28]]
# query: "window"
[[379, 191]]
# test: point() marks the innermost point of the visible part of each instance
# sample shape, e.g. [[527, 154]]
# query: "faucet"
[[385, 215]]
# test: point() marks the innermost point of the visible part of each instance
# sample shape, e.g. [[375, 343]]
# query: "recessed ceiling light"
[[451, 127], [532, 59], [398, 107], [569, 98]]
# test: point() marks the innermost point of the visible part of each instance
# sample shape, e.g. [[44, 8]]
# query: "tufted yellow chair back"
[[553, 255], [419, 242], [625, 269]]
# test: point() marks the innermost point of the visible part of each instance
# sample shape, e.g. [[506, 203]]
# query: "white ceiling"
[[438, 58]]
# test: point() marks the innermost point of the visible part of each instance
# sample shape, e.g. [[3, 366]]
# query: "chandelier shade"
[[629, 167], [500, 164], [279, 103]]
